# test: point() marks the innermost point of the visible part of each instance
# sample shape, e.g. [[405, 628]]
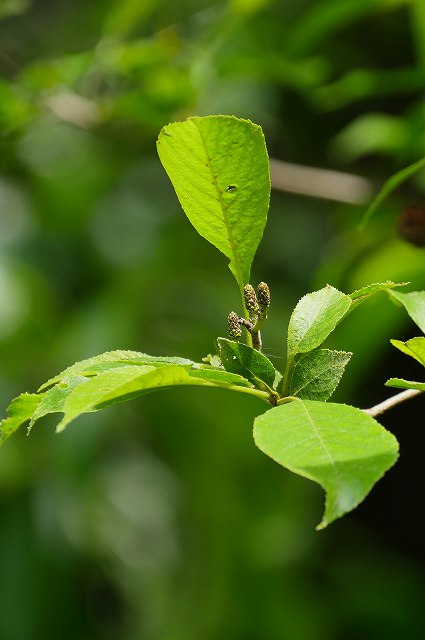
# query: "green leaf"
[[314, 318], [414, 303], [415, 347], [219, 168], [52, 401], [365, 292], [340, 447], [120, 382], [247, 362], [399, 383], [111, 359], [20, 410], [389, 186], [126, 382], [316, 375], [220, 377]]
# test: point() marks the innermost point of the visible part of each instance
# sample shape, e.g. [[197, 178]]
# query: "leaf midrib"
[[321, 441], [224, 209]]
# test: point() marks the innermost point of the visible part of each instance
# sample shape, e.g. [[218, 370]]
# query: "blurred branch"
[[285, 176], [320, 183], [71, 107], [392, 402]]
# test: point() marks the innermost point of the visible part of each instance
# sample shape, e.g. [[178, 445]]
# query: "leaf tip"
[[322, 525], [61, 426]]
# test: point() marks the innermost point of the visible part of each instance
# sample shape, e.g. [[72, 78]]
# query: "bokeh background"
[[158, 519]]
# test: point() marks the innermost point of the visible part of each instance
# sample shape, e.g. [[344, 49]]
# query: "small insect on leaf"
[[231, 187]]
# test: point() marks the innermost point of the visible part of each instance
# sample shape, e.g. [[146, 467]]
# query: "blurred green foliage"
[[149, 520]]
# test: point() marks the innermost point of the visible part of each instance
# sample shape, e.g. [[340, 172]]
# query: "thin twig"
[[392, 402]]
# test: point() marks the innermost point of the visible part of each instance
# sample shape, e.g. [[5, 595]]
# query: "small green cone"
[[233, 326], [251, 303], [263, 296]]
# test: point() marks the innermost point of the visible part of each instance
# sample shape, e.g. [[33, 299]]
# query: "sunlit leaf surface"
[[219, 168], [316, 375], [247, 362], [338, 446], [314, 318]]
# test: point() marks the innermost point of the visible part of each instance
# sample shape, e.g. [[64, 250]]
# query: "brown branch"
[[392, 402]]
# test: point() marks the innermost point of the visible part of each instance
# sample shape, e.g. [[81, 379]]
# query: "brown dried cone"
[[251, 303], [233, 326], [411, 225], [263, 295]]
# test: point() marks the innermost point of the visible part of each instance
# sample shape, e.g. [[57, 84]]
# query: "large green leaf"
[[316, 375], [414, 303], [111, 359], [126, 382], [74, 393], [247, 362], [219, 168], [340, 447], [314, 318], [415, 347]]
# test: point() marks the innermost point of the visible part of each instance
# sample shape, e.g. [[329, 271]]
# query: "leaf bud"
[[250, 298], [233, 326], [263, 295]]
